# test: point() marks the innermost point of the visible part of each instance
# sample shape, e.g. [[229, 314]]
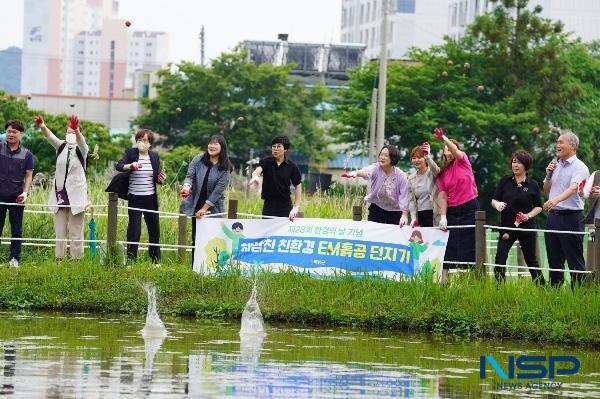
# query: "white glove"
[[254, 182], [353, 173], [443, 223], [22, 198], [414, 223], [403, 221], [294, 213], [500, 206]]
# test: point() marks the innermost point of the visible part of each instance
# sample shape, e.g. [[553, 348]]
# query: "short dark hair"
[[237, 225], [15, 124], [283, 140], [142, 132], [523, 157], [394, 153]]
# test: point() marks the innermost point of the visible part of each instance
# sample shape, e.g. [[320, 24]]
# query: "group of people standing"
[[447, 196], [443, 196]]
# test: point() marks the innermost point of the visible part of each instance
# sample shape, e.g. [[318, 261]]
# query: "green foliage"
[[176, 161], [109, 148], [465, 307], [247, 103], [499, 88]]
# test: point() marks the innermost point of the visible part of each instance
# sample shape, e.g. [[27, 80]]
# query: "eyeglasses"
[[12, 131], [277, 146]]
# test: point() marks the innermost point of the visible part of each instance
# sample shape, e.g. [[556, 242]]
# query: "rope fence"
[[481, 240]]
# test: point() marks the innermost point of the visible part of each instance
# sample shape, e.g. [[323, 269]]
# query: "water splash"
[[252, 320], [154, 327]]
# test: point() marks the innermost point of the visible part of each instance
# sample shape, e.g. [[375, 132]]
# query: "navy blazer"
[[120, 182]]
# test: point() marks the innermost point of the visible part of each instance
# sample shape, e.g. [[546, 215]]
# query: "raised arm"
[[47, 133], [440, 135]]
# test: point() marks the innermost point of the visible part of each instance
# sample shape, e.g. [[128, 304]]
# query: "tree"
[[109, 148], [503, 86], [247, 103]]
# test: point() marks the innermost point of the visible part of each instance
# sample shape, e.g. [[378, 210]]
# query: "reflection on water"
[[58, 355]]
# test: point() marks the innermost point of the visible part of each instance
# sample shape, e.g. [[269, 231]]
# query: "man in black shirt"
[[279, 173]]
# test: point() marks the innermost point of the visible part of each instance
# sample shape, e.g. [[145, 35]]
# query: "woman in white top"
[[69, 188], [422, 190], [143, 168]]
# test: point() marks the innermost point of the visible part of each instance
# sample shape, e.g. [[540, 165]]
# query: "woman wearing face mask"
[[458, 202], [142, 172], [422, 190], [518, 199], [70, 187], [205, 183], [388, 192]]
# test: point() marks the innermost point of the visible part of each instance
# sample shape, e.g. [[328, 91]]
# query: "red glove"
[[581, 185], [425, 148], [38, 120], [519, 219], [439, 134], [350, 175], [74, 122]]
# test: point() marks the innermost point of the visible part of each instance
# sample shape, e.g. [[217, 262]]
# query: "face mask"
[[71, 138], [143, 146]]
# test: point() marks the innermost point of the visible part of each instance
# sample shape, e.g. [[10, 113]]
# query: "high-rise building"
[[423, 23], [579, 17], [82, 48], [412, 23], [10, 72]]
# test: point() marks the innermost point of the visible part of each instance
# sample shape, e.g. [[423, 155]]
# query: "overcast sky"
[[226, 22]]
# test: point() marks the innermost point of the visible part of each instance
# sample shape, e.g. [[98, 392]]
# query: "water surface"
[[92, 356]]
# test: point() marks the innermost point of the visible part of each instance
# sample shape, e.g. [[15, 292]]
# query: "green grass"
[[465, 307]]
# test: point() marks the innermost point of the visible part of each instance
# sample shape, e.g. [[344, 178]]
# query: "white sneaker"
[[13, 262], [156, 265]]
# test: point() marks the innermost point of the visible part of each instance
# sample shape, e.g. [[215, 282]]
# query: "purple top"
[[567, 172], [389, 192]]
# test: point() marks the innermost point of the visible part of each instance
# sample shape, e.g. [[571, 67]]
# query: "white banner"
[[318, 246]]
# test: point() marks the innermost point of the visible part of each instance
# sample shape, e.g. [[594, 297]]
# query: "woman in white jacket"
[[69, 187]]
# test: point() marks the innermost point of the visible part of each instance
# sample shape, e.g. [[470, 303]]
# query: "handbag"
[[62, 198]]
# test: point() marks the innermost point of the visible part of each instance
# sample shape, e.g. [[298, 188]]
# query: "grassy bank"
[[466, 307]]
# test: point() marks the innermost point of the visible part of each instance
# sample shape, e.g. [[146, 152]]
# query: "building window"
[[372, 37], [374, 10], [361, 16], [368, 16], [405, 6], [453, 15]]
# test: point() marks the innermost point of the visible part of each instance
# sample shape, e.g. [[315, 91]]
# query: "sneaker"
[[13, 262], [156, 265]]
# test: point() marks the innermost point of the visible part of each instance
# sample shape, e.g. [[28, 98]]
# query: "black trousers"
[[528, 242], [134, 227], [561, 247], [279, 207], [461, 242], [425, 218], [15, 215], [379, 215]]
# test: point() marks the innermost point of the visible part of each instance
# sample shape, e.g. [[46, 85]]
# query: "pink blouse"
[[458, 182]]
